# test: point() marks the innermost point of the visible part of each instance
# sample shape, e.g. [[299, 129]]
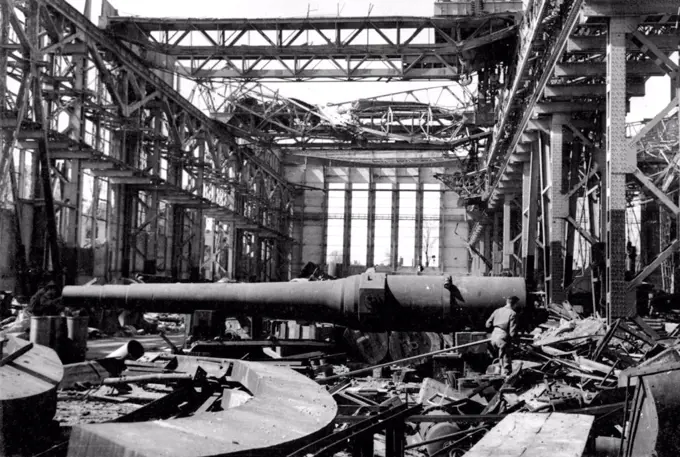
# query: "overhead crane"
[[401, 47]]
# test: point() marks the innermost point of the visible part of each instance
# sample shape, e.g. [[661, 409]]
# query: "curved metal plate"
[[285, 411]]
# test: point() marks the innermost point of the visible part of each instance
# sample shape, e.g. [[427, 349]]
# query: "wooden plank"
[[536, 435]]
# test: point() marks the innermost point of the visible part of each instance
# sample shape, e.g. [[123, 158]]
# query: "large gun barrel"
[[370, 301]]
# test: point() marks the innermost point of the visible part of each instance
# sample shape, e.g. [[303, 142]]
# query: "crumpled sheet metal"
[[286, 409]]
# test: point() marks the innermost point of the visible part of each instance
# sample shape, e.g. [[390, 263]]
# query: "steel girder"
[[429, 119], [293, 125], [333, 48]]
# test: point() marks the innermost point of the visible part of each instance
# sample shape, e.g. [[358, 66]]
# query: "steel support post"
[[508, 248], [347, 231], [559, 208], [544, 165], [298, 231], [620, 160], [530, 182], [370, 238], [420, 195], [483, 246], [650, 237], [126, 214], [6, 155], [32, 21], [573, 179], [497, 243], [487, 249], [394, 242], [324, 223], [198, 227], [675, 92], [4, 52], [72, 190], [151, 261]]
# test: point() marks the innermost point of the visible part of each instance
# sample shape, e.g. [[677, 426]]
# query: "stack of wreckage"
[[578, 387]]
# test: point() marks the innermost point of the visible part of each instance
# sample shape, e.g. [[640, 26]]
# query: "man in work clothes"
[[504, 325]]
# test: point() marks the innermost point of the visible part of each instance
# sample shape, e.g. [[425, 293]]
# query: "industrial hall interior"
[[307, 228]]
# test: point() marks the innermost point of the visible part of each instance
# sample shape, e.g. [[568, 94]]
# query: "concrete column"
[[419, 225], [620, 160], [559, 204], [347, 232], [454, 255], [370, 246], [394, 241], [314, 217]]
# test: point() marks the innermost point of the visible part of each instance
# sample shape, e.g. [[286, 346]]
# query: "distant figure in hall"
[[503, 323]]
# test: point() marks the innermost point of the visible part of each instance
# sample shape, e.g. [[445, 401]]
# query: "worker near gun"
[[503, 326]]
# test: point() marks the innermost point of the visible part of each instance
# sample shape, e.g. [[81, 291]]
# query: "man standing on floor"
[[503, 323]]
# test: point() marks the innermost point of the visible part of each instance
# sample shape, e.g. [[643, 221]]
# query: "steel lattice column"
[[559, 205], [619, 161]]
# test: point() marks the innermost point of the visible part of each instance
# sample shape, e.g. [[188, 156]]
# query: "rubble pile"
[[570, 365], [606, 380]]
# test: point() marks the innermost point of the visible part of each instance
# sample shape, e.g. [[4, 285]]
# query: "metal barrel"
[[132, 350], [370, 301], [50, 331]]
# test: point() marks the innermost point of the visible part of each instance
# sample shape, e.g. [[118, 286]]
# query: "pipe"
[[132, 350], [370, 301]]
